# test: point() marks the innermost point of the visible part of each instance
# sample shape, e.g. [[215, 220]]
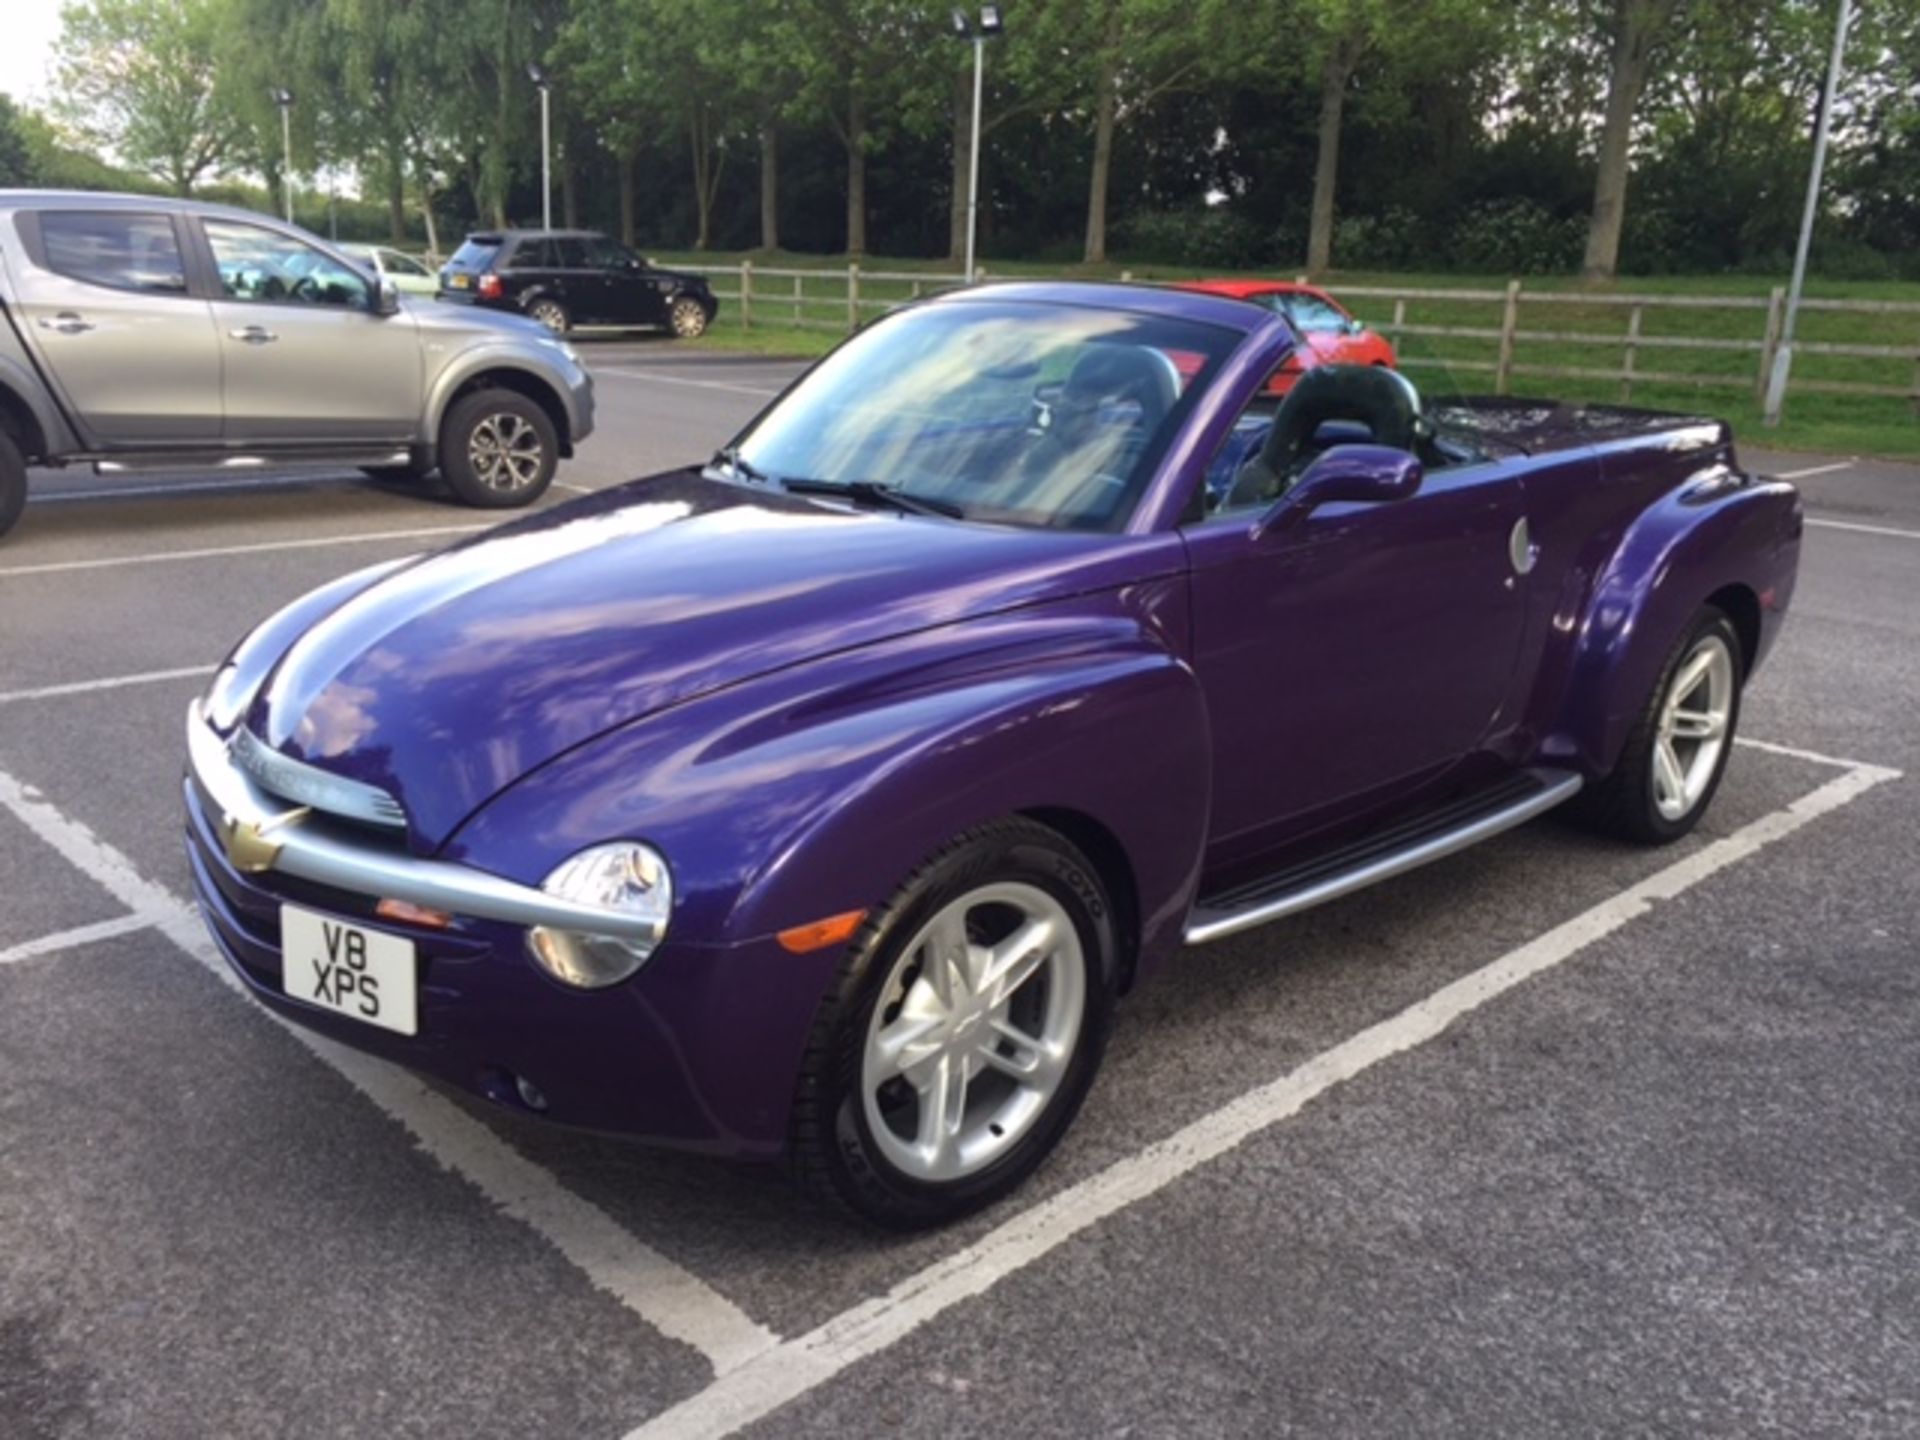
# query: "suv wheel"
[[13, 483], [498, 450], [552, 314], [688, 318]]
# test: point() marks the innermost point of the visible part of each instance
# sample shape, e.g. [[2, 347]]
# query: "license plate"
[[353, 971], [459, 282]]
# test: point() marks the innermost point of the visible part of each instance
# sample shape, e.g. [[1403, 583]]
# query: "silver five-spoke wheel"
[[688, 318], [974, 1030], [1692, 732], [550, 314], [505, 452]]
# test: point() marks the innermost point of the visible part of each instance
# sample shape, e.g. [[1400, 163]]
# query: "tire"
[[687, 318], [498, 450], [857, 1138], [399, 474], [1654, 800], [13, 483], [552, 314]]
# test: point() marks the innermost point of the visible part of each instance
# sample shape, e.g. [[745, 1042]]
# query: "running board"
[[1407, 845], [180, 462]]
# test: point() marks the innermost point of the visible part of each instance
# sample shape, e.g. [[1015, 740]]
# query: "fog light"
[[628, 878], [530, 1095]]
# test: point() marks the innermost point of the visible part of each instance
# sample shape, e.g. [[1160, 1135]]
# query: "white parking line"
[[1794, 752], [1814, 470], [113, 682], [201, 487], [680, 380], [671, 1299], [79, 935], [794, 1367], [163, 557], [1866, 529]]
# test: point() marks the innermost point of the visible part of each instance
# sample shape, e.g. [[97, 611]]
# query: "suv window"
[[533, 255], [125, 252], [605, 254], [571, 253], [264, 265], [475, 253]]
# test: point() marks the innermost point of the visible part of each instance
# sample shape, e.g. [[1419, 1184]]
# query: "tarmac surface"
[[1554, 1136]]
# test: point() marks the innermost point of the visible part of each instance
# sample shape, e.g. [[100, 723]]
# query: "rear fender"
[[1718, 532]]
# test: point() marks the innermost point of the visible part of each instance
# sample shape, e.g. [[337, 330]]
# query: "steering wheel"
[[306, 288]]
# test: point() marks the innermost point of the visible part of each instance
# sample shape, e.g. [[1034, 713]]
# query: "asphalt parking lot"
[[1551, 1137]]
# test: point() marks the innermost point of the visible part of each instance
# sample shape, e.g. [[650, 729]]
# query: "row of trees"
[[1511, 133]]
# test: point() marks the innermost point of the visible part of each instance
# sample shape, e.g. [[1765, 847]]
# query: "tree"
[[16, 159], [138, 77], [1635, 28]]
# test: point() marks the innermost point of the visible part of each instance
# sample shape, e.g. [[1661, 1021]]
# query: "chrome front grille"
[[303, 784]]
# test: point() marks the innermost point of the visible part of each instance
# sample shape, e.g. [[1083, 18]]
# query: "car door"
[[634, 294], [107, 307], [1355, 652], [582, 281], [307, 359]]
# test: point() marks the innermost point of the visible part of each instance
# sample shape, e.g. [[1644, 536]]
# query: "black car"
[[575, 279]]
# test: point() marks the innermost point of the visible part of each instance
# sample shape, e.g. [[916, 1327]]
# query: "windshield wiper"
[[872, 492], [731, 458]]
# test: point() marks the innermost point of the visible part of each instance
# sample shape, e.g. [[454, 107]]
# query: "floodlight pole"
[[973, 164], [286, 150], [1783, 357], [546, 159]]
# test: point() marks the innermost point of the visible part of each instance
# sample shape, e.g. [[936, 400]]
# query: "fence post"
[[746, 294], [1509, 322], [1399, 316], [853, 298], [1626, 371], [914, 291], [1126, 277], [1770, 342], [796, 300]]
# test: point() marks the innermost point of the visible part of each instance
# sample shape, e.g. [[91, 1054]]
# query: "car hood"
[[449, 679], [469, 322]]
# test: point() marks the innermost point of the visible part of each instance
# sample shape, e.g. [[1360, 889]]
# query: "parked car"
[[148, 334], [1329, 335], [575, 280], [409, 276], [818, 804]]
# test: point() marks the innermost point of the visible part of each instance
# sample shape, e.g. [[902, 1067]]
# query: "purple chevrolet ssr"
[[816, 805]]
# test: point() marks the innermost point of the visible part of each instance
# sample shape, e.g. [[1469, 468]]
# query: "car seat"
[[1380, 402]]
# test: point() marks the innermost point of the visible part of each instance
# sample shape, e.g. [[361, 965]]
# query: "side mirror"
[[1351, 474], [386, 297]]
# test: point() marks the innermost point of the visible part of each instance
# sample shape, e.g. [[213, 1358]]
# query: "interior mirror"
[[386, 297], [1353, 474]]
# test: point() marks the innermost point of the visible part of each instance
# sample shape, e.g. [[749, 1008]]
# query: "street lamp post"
[[964, 28], [284, 99], [537, 73], [1783, 357]]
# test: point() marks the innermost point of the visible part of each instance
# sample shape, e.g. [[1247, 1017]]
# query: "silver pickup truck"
[[146, 334]]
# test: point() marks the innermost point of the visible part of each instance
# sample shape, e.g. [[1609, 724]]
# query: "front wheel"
[[498, 450], [962, 1033], [687, 318], [1678, 748]]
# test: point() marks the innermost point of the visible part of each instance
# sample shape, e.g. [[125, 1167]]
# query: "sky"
[[30, 27]]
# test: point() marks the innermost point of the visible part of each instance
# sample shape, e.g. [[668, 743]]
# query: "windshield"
[[1016, 412]]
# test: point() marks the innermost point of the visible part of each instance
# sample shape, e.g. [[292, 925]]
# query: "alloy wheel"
[[551, 316], [505, 452], [973, 1031], [1692, 732], [689, 320]]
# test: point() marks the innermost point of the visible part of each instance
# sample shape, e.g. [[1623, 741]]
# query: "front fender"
[[818, 789], [491, 357], [1718, 533]]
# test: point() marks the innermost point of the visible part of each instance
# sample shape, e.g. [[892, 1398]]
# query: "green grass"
[[1721, 383]]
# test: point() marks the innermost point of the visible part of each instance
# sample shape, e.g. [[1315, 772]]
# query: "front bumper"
[[700, 1050]]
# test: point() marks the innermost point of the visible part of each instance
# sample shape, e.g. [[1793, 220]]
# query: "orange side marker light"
[[803, 939]]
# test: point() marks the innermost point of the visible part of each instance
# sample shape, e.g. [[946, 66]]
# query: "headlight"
[[227, 698], [627, 877]]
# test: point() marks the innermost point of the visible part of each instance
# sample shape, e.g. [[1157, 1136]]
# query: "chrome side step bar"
[[1395, 851], [192, 462]]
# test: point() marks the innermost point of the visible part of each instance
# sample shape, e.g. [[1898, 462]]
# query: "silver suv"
[[145, 334]]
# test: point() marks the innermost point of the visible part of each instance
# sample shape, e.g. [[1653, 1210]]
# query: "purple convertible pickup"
[[818, 804]]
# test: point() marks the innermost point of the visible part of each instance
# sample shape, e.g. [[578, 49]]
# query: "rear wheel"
[[1678, 748], [13, 483], [498, 450], [962, 1033], [687, 318], [552, 314]]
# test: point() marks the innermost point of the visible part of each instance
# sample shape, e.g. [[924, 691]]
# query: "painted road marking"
[[218, 552], [682, 380], [114, 682], [1814, 470], [203, 487], [79, 935], [673, 1300], [794, 1367], [1866, 529]]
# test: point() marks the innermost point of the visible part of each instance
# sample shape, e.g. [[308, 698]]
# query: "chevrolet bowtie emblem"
[[246, 840]]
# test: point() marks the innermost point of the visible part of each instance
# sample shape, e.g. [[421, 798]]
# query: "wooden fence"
[[834, 299]]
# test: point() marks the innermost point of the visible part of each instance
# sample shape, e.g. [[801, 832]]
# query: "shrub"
[[1517, 237], [1214, 237]]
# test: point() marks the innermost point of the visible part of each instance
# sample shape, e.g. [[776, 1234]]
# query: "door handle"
[[254, 335], [67, 323]]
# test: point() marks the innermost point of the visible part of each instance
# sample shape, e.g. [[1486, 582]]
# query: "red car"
[[1329, 335]]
